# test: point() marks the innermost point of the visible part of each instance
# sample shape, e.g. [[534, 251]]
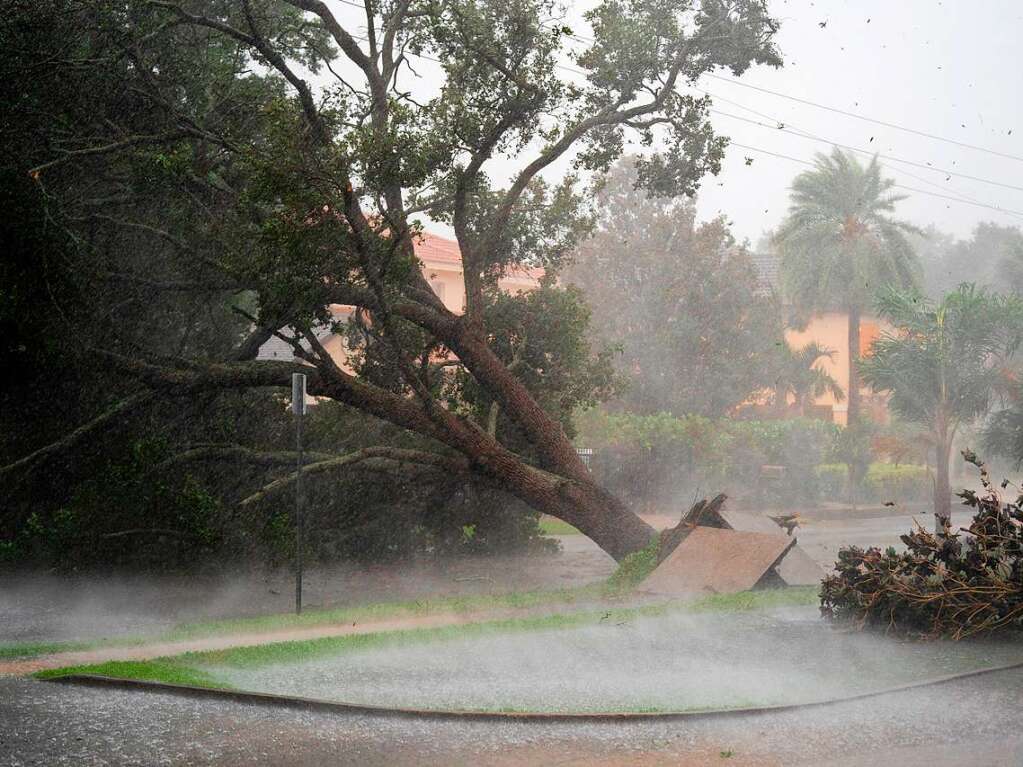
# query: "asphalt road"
[[821, 539], [976, 722]]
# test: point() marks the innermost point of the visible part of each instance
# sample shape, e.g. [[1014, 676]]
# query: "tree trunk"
[[853, 394], [942, 489], [602, 518]]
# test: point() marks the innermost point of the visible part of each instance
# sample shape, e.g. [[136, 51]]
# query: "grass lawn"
[[198, 667], [34, 649], [554, 526]]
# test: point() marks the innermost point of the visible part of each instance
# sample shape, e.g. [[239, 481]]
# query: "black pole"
[[298, 408]]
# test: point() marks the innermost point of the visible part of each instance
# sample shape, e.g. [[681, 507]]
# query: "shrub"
[[943, 585], [883, 482], [634, 569], [662, 461]]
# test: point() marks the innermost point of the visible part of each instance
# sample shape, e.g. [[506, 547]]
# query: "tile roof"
[[432, 248]]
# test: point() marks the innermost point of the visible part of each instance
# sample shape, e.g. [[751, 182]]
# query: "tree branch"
[[119, 410], [372, 458]]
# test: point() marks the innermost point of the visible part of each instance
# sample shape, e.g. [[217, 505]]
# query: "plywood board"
[[797, 568], [750, 522], [712, 560]]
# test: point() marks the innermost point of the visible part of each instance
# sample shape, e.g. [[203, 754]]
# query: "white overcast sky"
[[951, 68]]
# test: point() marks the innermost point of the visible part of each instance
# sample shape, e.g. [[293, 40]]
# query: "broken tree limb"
[[671, 538], [118, 410], [372, 458]]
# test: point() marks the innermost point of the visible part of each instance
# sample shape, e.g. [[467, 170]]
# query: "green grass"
[[35, 649], [634, 569], [199, 667], [521, 600], [168, 670], [554, 526]]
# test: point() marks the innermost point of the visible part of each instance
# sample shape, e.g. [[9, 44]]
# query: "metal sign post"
[[298, 408]]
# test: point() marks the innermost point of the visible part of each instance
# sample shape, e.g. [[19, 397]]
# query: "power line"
[[898, 186], [800, 132], [836, 110], [865, 119], [781, 127], [964, 200]]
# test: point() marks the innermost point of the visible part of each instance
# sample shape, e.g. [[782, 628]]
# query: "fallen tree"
[[281, 196]]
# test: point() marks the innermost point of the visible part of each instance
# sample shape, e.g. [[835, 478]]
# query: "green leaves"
[[943, 360], [838, 244]]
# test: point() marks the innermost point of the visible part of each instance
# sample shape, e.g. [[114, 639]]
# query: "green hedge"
[[654, 461], [659, 462], [884, 482]]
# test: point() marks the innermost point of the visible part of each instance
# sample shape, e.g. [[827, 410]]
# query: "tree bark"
[[853, 394], [942, 488]]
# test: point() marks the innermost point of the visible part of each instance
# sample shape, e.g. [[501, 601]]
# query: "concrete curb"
[[328, 706]]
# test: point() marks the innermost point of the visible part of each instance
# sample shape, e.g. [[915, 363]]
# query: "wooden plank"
[[711, 560], [797, 568], [749, 522]]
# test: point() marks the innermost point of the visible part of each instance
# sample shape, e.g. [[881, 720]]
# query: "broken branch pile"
[[956, 584]]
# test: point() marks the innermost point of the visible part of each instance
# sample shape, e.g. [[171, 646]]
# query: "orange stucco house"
[[830, 329], [441, 262]]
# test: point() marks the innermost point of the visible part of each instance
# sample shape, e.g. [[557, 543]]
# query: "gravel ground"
[[975, 722]]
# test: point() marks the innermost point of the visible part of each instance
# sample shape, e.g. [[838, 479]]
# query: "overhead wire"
[[897, 186], [894, 126]]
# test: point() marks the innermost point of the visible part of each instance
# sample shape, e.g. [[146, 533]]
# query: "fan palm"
[[943, 364], [839, 244]]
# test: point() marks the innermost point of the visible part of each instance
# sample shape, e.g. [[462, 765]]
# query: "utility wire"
[[836, 110], [782, 128], [800, 132], [897, 186], [865, 119]]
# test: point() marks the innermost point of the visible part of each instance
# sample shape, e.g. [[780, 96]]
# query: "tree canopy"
[[944, 362], [683, 300]]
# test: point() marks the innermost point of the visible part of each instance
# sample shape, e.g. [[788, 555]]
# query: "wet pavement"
[[970, 722], [973, 722]]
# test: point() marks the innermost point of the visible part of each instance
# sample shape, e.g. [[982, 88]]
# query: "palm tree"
[[943, 364], [799, 375], [839, 244]]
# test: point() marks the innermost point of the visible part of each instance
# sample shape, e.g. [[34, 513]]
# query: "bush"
[[130, 513], [634, 569], [660, 462], [883, 482], [943, 585]]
